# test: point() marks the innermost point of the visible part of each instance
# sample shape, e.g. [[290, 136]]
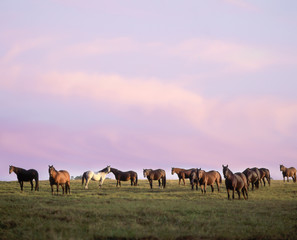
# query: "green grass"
[[128, 212]]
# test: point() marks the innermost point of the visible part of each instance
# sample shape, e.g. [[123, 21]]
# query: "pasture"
[[175, 212]]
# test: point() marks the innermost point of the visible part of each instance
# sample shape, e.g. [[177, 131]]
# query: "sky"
[[147, 84]]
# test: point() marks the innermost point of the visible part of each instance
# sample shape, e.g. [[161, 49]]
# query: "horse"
[[99, 176], [125, 176], [288, 172], [209, 178], [25, 176], [61, 177], [234, 182], [264, 173], [194, 179], [182, 173], [157, 174], [252, 177]]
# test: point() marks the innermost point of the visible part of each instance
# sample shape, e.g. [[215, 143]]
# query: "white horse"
[[99, 176]]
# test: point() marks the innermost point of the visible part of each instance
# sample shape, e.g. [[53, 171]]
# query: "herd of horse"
[[238, 182]]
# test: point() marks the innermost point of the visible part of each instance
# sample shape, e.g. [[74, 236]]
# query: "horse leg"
[[151, 184], [233, 193], [21, 185], [184, 181], [238, 192], [31, 182], [179, 180], [218, 185], [228, 191], [120, 183], [196, 186], [62, 185], [263, 181], [204, 188], [212, 188], [201, 188], [159, 183]]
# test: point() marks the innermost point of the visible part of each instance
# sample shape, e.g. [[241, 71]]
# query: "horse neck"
[[114, 171], [54, 173], [284, 169], [230, 175]]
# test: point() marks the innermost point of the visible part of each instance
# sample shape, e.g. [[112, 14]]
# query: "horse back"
[[241, 180], [212, 176], [63, 176], [27, 175]]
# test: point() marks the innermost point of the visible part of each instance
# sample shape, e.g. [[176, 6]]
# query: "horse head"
[[281, 167], [51, 169], [226, 171], [172, 170], [10, 169], [146, 172], [108, 169], [199, 173]]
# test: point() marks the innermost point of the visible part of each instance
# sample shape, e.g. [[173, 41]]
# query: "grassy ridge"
[[139, 212]]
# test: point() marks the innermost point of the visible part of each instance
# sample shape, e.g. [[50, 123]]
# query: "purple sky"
[[148, 84]]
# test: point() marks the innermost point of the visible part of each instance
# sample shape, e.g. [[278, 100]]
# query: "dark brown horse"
[[234, 182], [182, 173], [194, 178], [25, 176], [157, 174], [209, 178], [61, 177], [288, 172], [264, 173], [252, 177], [125, 176]]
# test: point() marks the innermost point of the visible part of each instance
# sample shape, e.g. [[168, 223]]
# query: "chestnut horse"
[[264, 173], [209, 178], [157, 174], [234, 182], [252, 177], [182, 173], [288, 172], [25, 176], [125, 176], [61, 177]]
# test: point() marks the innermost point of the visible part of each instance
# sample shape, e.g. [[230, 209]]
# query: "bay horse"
[[252, 177], [98, 176], [125, 176], [288, 172], [182, 173], [234, 182], [264, 173], [209, 178], [157, 174], [25, 176], [61, 177]]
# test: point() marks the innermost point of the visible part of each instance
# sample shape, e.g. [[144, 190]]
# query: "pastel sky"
[[148, 84]]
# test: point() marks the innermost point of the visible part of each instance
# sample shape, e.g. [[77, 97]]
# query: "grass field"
[[128, 212]]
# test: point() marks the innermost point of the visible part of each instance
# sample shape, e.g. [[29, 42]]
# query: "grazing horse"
[[194, 179], [234, 182], [25, 176], [61, 177], [99, 176], [157, 174], [182, 173], [288, 172], [252, 177], [125, 176], [209, 178], [264, 173]]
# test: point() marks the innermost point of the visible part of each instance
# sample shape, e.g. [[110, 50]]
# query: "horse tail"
[[136, 180], [220, 177], [82, 179], [37, 182]]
